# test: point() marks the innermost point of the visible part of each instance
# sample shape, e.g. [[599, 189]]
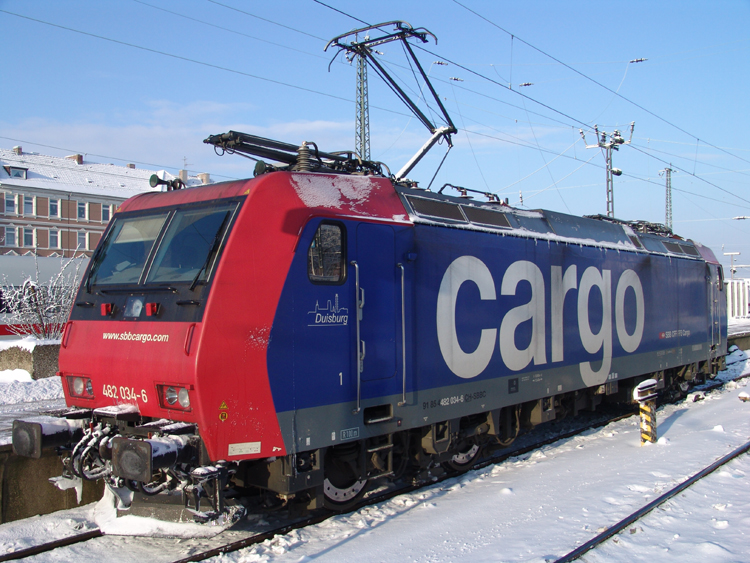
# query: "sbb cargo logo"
[[469, 364]]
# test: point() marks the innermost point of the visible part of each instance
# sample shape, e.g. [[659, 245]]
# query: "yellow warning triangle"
[[223, 405]]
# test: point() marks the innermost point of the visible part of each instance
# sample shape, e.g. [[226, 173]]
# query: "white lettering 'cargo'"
[[629, 342], [464, 365], [514, 358], [602, 340], [561, 284], [471, 364]]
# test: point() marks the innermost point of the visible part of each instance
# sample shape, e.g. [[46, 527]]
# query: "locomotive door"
[[377, 300], [715, 294]]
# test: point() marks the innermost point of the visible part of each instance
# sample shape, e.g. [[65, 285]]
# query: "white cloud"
[[163, 134]]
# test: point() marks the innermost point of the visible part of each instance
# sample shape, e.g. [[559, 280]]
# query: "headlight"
[[174, 397], [81, 387], [171, 395], [184, 398], [78, 386]]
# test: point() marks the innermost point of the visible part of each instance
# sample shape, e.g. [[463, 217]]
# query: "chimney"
[[131, 165], [17, 150], [184, 176], [77, 157], [205, 178]]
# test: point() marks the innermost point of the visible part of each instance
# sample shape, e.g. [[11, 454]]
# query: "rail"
[[638, 514], [49, 546]]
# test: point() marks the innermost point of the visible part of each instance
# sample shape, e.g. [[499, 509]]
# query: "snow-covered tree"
[[38, 308]]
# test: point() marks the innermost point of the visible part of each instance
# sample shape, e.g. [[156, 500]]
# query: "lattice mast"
[[362, 122], [668, 205]]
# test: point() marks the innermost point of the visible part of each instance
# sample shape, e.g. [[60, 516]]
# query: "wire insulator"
[[303, 158]]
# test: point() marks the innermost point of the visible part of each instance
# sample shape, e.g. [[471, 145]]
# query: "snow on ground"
[[11, 375], [532, 508], [25, 390], [738, 326], [21, 396], [17, 386]]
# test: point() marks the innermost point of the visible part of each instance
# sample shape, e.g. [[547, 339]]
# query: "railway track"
[[201, 553], [320, 516], [641, 512], [49, 546]]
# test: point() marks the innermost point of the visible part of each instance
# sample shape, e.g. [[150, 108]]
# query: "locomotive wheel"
[[465, 456], [342, 487], [343, 498]]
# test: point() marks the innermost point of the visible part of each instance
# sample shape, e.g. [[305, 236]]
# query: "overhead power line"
[[228, 30], [194, 61], [710, 165], [515, 37], [579, 122], [257, 77], [340, 12], [266, 20], [635, 148]]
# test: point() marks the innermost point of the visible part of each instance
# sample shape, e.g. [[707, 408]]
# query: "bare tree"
[[41, 309]]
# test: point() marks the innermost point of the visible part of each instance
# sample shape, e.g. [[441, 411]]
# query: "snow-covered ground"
[[531, 508], [20, 395]]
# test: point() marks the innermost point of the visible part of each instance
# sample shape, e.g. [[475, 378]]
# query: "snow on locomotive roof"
[[334, 192], [436, 209], [368, 196]]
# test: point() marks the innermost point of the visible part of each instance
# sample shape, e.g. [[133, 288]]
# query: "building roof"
[[66, 175]]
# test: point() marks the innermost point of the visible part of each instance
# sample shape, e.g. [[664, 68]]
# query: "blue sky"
[[148, 80]]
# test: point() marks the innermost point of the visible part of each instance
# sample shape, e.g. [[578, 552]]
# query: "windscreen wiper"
[[211, 251], [93, 269]]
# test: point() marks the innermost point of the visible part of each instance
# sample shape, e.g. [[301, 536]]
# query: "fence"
[[737, 298]]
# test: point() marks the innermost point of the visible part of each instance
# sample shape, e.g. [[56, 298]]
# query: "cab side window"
[[326, 257]]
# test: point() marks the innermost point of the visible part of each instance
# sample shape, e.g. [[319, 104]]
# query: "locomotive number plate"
[[244, 448], [126, 393]]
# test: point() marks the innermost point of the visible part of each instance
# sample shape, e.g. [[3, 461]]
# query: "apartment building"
[[54, 206]]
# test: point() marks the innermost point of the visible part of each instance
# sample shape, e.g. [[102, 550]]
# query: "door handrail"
[[403, 335], [359, 297]]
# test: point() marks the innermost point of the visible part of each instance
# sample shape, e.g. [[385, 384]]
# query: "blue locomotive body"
[[466, 307]]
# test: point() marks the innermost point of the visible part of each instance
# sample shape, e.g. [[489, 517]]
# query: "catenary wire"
[[265, 20], [649, 150], [616, 93], [195, 61], [691, 174], [595, 82], [282, 46], [279, 82]]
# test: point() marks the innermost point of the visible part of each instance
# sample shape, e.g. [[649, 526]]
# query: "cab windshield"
[[171, 247]]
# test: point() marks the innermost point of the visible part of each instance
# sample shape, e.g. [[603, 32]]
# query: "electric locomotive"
[[322, 326]]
